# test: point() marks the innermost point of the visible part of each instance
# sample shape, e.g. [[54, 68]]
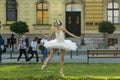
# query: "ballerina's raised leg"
[[52, 52]]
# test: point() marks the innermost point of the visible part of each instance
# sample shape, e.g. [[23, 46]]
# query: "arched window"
[[11, 11], [42, 13], [113, 12], [73, 7]]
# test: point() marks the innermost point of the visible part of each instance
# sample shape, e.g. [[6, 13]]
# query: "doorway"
[[73, 19]]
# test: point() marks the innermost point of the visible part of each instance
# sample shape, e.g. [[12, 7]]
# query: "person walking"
[[22, 48], [59, 43], [1, 47], [43, 48], [34, 49], [12, 43]]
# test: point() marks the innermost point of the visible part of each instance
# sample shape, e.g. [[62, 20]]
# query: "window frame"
[[112, 9], [42, 10], [8, 21]]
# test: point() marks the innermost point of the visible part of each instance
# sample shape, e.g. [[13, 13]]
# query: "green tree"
[[19, 28], [106, 28]]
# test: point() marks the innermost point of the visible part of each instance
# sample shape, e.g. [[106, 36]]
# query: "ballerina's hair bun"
[[59, 22]]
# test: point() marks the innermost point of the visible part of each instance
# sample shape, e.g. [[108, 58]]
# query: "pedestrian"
[[43, 49], [34, 49], [1, 47], [12, 42], [27, 42], [22, 48], [59, 43]]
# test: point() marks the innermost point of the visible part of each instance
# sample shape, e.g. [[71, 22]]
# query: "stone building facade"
[[78, 16]]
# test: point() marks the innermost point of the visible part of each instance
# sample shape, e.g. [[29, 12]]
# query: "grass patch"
[[73, 71]]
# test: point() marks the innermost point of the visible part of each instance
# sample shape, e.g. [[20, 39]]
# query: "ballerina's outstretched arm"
[[47, 36], [71, 34]]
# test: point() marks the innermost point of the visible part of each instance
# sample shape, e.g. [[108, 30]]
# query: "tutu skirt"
[[65, 45]]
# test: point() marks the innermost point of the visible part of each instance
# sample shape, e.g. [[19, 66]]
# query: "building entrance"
[[73, 19], [73, 23]]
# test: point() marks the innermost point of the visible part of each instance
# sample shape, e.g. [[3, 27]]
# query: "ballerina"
[[59, 43]]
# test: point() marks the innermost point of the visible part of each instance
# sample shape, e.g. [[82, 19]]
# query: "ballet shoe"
[[43, 66], [61, 72]]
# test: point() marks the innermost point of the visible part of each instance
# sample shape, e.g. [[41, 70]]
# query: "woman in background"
[[34, 49], [22, 48]]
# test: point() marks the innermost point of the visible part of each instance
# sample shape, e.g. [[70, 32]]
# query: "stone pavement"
[[81, 57], [56, 58]]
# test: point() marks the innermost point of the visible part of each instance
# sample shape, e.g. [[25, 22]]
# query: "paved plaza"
[[80, 57]]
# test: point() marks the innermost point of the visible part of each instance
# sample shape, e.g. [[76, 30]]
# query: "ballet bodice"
[[60, 36]]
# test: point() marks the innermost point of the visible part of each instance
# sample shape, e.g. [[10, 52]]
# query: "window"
[[42, 13], [11, 11], [112, 41], [73, 7], [113, 12]]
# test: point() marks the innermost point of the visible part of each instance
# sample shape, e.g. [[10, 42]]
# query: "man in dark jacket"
[[12, 42], [1, 46]]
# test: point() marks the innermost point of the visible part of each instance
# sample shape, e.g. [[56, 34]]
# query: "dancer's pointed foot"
[[61, 72], [43, 66]]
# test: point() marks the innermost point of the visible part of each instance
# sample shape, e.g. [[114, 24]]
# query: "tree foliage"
[[106, 27], [19, 27]]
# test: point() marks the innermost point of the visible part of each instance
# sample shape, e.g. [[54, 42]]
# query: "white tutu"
[[66, 44]]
